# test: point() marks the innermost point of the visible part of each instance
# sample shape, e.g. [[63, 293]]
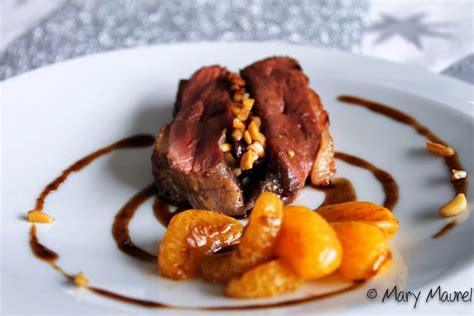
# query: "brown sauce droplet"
[[120, 230], [141, 140], [339, 191], [39, 250], [445, 229]]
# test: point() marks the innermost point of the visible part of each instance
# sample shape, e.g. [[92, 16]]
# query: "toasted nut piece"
[[454, 207], [245, 96], [190, 236], [439, 149], [81, 280], [235, 108], [247, 137], [307, 243], [255, 134], [253, 129], [232, 76], [265, 280], [238, 124], [238, 96], [237, 80], [237, 172], [248, 159], [226, 147], [458, 174], [363, 212], [234, 87], [237, 135], [246, 108], [261, 139], [36, 216], [248, 103], [257, 120], [258, 148], [291, 153], [365, 250]]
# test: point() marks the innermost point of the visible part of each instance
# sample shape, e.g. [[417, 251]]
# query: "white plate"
[[55, 115]]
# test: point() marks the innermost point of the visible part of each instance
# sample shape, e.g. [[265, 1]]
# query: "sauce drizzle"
[[339, 191], [446, 228], [452, 162], [140, 140], [389, 185], [120, 230]]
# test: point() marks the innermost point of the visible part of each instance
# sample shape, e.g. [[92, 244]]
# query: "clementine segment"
[[191, 235], [307, 243]]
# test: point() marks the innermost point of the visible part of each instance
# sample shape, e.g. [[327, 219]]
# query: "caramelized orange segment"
[[256, 244], [365, 249], [217, 268], [191, 235], [259, 238], [364, 212], [307, 243], [265, 280]]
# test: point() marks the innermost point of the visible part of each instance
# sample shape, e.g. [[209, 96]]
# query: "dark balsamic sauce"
[[451, 162], [341, 190], [141, 140], [39, 250], [120, 230], [389, 185], [445, 229]]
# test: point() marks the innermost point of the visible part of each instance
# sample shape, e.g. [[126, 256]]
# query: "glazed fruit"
[[308, 244], [191, 235], [364, 212], [256, 244], [365, 250], [265, 280]]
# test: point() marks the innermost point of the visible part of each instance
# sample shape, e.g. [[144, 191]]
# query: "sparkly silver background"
[[81, 27]]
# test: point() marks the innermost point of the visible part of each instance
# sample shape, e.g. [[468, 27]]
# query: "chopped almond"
[[439, 149], [248, 159], [238, 124], [36, 216]]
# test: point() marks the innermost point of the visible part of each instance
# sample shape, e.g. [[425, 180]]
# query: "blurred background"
[[432, 34]]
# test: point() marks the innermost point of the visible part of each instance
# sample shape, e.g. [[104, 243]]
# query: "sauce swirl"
[[140, 140], [120, 230], [451, 162], [341, 190]]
